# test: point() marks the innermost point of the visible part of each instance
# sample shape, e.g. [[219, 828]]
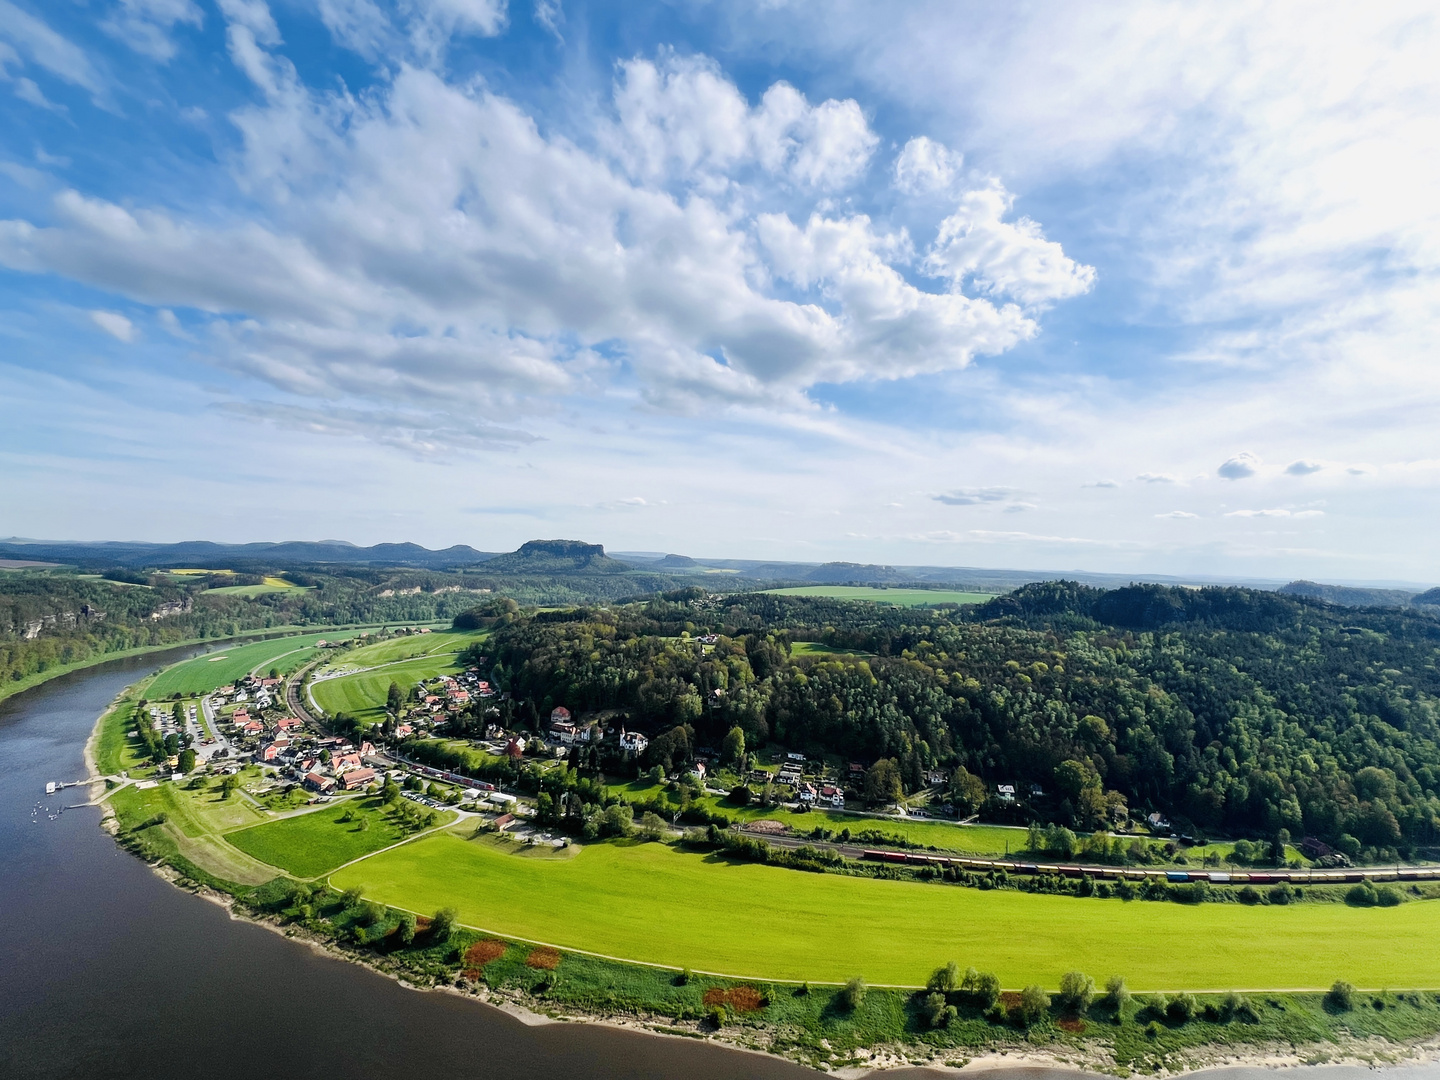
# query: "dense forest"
[[1230, 710]]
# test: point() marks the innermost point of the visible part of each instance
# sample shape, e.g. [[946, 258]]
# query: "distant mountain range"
[[575, 557]]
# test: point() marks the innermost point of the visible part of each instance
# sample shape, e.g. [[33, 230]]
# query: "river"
[[107, 971]]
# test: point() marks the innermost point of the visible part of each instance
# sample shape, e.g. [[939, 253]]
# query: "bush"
[[683, 979], [936, 1011], [1388, 896], [1117, 994], [1033, 1004], [985, 988], [1341, 996], [1281, 894], [741, 795], [946, 979], [1076, 990], [1249, 895], [1180, 1009], [443, 924], [1153, 1030], [852, 995]]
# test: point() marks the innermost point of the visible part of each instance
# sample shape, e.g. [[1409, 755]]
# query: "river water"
[[107, 971]]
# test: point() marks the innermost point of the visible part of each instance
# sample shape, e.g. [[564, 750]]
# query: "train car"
[[1218, 877], [1176, 876], [1263, 879], [1027, 868], [1072, 871]]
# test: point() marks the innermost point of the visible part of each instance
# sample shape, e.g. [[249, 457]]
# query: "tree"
[[937, 1011], [228, 785], [1076, 990], [733, 748], [1117, 994], [882, 782], [389, 791], [1180, 1009], [1341, 996], [274, 673], [187, 760], [741, 795], [394, 698], [945, 979], [987, 989], [967, 791], [443, 925], [406, 930], [1033, 1003], [852, 994]]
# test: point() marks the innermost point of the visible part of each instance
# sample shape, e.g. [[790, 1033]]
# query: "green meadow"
[[903, 597], [658, 904], [317, 841], [363, 695], [220, 668], [413, 645]]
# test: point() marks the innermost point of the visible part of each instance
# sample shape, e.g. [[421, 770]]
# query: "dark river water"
[[108, 971]]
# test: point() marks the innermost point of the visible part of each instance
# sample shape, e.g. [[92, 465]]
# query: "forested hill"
[[1230, 710]]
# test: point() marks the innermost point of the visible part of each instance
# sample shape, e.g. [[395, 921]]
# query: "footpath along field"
[[406, 662], [312, 843], [658, 904]]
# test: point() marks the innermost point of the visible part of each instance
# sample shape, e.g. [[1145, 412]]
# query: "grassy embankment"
[[903, 597]]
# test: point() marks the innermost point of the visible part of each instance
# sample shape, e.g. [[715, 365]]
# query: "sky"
[[1134, 287]]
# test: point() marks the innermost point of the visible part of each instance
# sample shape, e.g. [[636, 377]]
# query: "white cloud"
[[47, 49], [551, 15], [146, 25], [1239, 467], [1157, 478], [1303, 468], [1278, 512], [925, 166], [115, 324], [681, 117], [1360, 470], [1178, 514], [975, 496], [1102, 484], [1004, 258]]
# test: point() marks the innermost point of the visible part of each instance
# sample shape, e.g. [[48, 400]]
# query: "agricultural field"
[[312, 843], [404, 661], [817, 648], [404, 648], [224, 666], [269, 585], [902, 597], [659, 904]]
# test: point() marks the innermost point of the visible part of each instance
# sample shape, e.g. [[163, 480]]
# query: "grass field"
[[816, 648], [654, 903], [269, 585], [407, 661], [903, 597], [205, 673], [403, 648], [311, 844]]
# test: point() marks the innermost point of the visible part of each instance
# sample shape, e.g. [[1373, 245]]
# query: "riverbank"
[[799, 1023]]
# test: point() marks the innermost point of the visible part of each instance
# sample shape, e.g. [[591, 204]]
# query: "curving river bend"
[[107, 971]]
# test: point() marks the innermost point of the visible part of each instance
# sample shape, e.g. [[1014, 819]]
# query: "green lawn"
[[816, 648], [310, 844], [655, 903], [903, 597], [225, 665], [403, 648], [364, 694], [270, 585]]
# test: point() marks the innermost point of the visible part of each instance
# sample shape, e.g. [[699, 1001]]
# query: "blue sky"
[[1139, 287]]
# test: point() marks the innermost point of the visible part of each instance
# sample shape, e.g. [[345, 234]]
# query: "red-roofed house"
[[289, 723], [315, 782], [356, 778], [559, 715], [342, 762]]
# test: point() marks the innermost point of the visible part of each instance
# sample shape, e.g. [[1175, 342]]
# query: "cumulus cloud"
[[1303, 467], [1004, 258], [681, 117], [115, 324], [1157, 478], [518, 265], [147, 25], [925, 166], [1239, 467]]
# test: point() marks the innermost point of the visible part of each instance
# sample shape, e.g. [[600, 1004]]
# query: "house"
[[632, 742], [317, 783], [1158, 822], [343, 762], [1006, 792], [269, 682], [807, 793], [857, 771], [504, 821], [562, 731], [1313, 848], [290, 723], [402, 730], [699, 769], [559, 715], [356, 778], [252, 727], [240, 716], [271, 751]]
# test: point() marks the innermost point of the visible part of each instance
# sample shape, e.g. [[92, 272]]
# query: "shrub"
[[1180, 1009], [852, 994], [1076, 990], [1249, 895], [945, 979], [1281, 894], [443, 924], [683, 978], [406, 929], [1362, 895], [986, 989], [936, 1011], [1153, 1029], [1033, 1004], [349, 898], [1117, 994], [1388, 896], [1341, 996]]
